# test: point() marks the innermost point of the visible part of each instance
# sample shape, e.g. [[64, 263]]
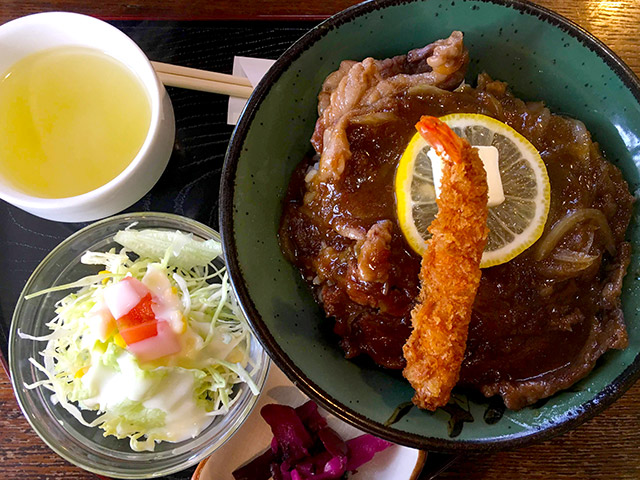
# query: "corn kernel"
[[102, 272], [118, 340]]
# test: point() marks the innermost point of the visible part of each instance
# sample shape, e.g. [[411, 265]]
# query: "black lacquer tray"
[[190, 184]]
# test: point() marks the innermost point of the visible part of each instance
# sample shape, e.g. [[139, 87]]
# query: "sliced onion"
[[561, 270], [569, 256], [567, 263], [548, 242], [582, 139], [426, 89], [492, 105]]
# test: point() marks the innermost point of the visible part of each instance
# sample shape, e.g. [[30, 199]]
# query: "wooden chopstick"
[[202, 80], [197, 73]]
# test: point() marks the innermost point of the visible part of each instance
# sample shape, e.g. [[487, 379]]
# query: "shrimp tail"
[[440, 137], [450, 271]]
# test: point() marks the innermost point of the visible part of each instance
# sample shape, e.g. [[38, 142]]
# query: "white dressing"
[[171, 391], [184, 417]]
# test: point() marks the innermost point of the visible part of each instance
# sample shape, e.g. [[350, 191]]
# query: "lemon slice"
[[515, 224]]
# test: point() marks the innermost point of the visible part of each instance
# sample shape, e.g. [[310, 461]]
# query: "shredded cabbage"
[[174, 397]]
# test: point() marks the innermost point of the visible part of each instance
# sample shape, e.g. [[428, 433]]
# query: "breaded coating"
[[450, 271]]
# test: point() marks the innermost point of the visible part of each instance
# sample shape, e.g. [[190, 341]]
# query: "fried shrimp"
[[450, 270]]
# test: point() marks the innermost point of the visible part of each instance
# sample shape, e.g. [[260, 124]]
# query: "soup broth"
[[71, 120]]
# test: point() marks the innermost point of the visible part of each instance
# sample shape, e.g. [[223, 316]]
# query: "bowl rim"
[[117, 471], [565, 422]]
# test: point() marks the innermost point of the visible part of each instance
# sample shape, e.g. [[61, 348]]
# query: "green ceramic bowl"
[[542, 56]]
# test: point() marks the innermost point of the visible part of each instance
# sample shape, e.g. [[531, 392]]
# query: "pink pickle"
[[122, 296], [164, 343]]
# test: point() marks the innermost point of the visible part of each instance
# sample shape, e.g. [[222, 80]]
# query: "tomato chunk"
[[140, 323]]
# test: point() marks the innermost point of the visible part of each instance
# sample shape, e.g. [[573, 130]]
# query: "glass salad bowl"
[[86, 446]]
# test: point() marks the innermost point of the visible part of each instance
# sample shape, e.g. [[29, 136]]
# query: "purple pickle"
[[363, 448], [305, 448], [293, 438]]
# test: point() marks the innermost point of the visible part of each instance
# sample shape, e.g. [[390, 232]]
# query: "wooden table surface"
[[607, 447]]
